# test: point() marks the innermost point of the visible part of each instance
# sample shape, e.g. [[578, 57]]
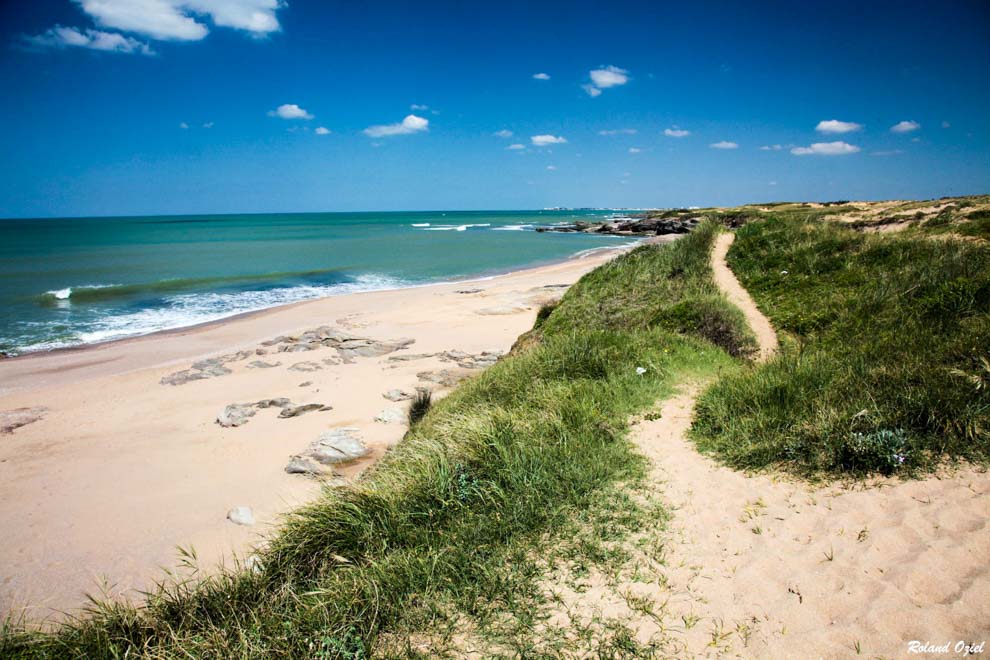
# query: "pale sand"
[[764, 566], [738, 296], [122, 469]]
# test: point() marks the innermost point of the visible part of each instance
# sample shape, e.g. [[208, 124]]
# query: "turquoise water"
[[71, 281]]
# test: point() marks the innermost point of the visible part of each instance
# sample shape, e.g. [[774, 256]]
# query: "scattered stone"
[[306, 383], [302, 465], [18, 417], [469, 291], [407, 357], [235, 415], [278, 340], [241, 515], [295, 411], [305, 367], [391, 416], [280, 402], [469, 361], [259, 364], [370, 348], [338, 445], [331, 361], [398, 395], [203, 369], [298, 348], [443, 377]]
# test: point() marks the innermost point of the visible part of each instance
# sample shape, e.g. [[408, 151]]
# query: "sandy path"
[[764, 566], [738, 296], [122, 469]]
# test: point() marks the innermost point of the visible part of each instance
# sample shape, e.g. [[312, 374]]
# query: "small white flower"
[[783, 272], [640, 371]]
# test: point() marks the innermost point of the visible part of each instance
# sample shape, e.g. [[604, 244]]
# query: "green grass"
[[884, 360], [441, 528]]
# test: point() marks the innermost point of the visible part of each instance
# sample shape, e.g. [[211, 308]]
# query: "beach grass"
[[884, 359], [447, 525]]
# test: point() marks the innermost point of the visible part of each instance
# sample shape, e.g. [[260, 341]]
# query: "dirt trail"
[[738, 296], [764, 566]]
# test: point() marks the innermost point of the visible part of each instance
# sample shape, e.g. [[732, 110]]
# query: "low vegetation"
[[884, 364], [444, 527]]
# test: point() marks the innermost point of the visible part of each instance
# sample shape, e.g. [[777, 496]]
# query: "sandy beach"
[[121, 468]]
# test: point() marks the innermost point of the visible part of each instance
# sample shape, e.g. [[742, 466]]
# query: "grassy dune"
[[442, 526], [884, 366]]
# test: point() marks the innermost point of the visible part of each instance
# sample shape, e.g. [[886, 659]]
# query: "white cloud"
[[891, 152], [183, 125], [771, 147], [411, 124], [177, 19], [618, 131], [541, 76], [772, 183], [676, 132], [208, 124], [516, 147], [634, 150], [289, 111], [610, 76], [551, 167], [724, 145], [416, 107], [826, 149], [322, 130], [905, 126], [544, 140], [836, 126], [946, 124], [504, 133], [70, 37]]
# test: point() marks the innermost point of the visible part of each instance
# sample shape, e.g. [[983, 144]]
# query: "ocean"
[[72, 281]]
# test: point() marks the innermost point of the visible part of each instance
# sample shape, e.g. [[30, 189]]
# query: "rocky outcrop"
[[647, 225], [339, 445], [349, 347], [235, 415], [303, 465], [443, 377], [238, 414], [398, 395], [390, 416], [471, 361], [295, 411]]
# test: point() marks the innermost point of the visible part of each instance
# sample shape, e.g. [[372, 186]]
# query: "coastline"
[[120, 469], [236, 316]]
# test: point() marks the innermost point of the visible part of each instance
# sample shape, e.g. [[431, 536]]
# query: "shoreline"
[[124, 461], [478, 277]]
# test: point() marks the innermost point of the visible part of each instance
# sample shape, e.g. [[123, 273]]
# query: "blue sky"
[[213, 106]]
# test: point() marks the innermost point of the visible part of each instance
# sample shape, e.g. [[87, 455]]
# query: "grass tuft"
[[419, 406]]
